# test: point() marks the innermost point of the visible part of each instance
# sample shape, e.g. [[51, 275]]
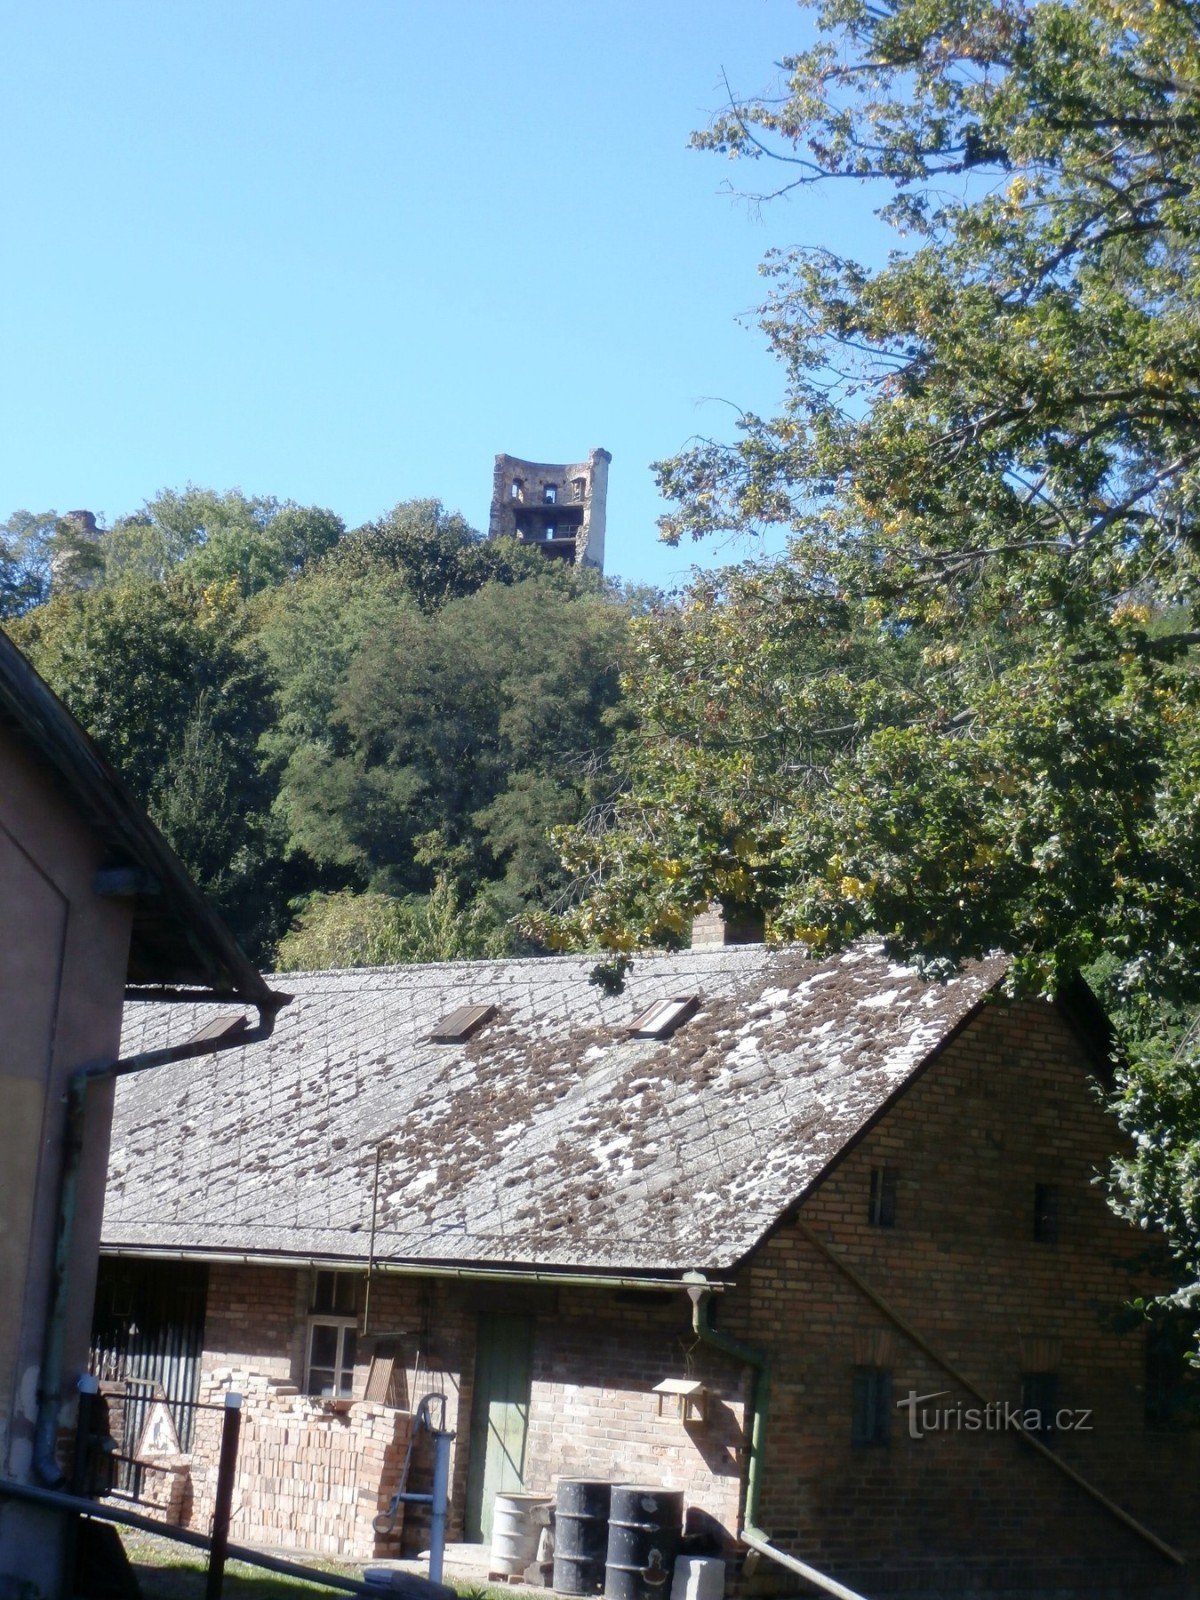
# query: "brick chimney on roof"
[[713, 928]]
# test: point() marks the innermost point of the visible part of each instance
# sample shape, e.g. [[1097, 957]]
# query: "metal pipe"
[[85, 1427], [441, 1494], [231, 1428], [50, 1371], [407, 1269], [700, 1292], [49, 1394]]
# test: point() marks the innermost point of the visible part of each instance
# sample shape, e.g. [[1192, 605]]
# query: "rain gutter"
[[50, 1376], [406, 1269], [700, 1291]]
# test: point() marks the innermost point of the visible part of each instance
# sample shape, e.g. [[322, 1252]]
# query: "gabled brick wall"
[[1006, 1106]]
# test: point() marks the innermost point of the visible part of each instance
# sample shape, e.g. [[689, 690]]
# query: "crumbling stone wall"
[[531, 498]]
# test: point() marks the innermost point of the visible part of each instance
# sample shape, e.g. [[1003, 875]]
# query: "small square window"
[[579, 485], [517, 489], [1045, 1213], [663, 1017], [335, 1293], [461, 1024], [549, 494], [881, 1203], [332, 1347], [872, 1417], [551, 529], [1039, 1401]]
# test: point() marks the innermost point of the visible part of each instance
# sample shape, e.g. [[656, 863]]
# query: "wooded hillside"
[[356, 740]]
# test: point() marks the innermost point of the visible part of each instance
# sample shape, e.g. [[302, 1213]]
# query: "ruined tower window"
[[549, 494], [1045, 1213], [552, 530], [580, 487], [881, 1204], [517, 489], [872, 1415]]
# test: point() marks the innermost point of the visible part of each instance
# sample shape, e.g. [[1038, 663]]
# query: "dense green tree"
[[989, 454], [345, 929], [178, 699], [990, 446], [252, 542], [25, 544], [437, 554], [451, 741]]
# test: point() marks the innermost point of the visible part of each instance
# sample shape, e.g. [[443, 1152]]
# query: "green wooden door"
[[499, 1417]]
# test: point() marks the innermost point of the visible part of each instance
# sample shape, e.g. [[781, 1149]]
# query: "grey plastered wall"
[[63, 955]]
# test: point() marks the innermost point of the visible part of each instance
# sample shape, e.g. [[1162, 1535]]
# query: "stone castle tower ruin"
[[558, 508]]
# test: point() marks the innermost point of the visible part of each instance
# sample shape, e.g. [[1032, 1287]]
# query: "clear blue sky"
[[344, 252]]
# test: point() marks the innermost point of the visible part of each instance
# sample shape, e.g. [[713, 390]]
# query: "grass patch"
[[168, 1571]]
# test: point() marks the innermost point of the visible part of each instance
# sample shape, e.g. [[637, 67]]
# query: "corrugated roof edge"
[[106, 803]]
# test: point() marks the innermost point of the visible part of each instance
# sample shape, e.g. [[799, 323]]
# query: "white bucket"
[[698, 1578], [516, 1523]]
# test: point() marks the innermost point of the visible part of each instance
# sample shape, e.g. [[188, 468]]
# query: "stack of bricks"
[[311, 1475], [164, 1489]]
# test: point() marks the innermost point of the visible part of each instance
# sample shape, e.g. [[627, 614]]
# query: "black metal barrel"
[[580, 1535], [644, 1529]]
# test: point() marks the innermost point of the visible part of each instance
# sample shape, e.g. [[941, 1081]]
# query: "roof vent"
[[458, 1027], [664, 1016], [222, 1027]]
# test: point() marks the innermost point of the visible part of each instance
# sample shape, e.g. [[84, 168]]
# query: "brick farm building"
[[802, 1191]]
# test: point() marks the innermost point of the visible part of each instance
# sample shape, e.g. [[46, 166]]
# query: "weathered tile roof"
[[549, 1138]]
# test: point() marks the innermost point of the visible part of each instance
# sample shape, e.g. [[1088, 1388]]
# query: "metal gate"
[[148, 1334]]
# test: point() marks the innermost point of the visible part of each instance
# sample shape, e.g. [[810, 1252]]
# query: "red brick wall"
[[255, 1317], [593, 1412], [1004, 1108]]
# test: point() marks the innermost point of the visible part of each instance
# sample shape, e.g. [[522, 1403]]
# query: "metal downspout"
[[700, 1291], [50, 1375]]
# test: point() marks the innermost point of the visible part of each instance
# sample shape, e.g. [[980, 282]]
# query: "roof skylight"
[[664, 1016], [222, 1027], [458, 1027]]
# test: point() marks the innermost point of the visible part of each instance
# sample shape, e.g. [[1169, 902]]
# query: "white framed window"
[[332, 1336]]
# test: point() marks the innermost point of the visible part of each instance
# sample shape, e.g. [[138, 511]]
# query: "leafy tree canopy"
[[450, 741], [436, 554], [345, 929], [988, 462], [218, 538], [309, 714], [178, 698]]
